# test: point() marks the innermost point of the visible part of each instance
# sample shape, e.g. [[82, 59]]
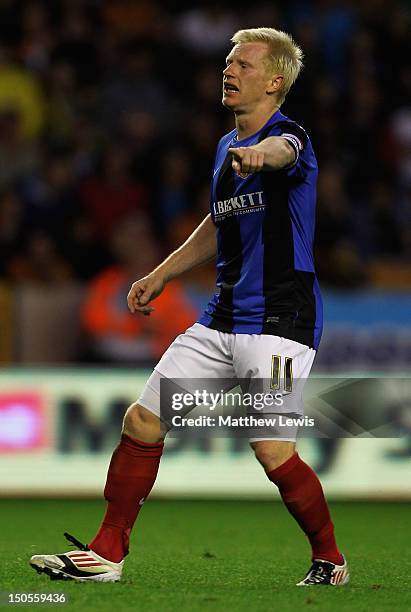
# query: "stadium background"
[[109, 117]]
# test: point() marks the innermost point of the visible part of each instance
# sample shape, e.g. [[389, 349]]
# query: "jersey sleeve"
[[298, 139]]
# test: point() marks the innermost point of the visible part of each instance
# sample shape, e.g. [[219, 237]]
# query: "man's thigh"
[[274, 367], [200, 354], [271, 357]]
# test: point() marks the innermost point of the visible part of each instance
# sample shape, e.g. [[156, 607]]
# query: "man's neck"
[[249, 123]]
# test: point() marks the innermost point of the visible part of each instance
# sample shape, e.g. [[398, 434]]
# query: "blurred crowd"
[[110, 112]]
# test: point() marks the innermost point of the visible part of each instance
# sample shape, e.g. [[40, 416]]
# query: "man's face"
[[246, 78]]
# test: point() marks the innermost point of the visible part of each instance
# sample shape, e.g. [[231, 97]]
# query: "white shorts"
[[204, 353]]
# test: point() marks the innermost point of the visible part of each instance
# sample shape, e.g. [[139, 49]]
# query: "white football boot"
[[83, 565], [325, 572]]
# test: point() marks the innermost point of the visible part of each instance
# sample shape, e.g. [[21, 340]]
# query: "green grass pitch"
[[214, 555]]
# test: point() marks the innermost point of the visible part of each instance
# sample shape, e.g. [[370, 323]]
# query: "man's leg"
[[131, 475], [303, 495], [134, 465], [200, 353]]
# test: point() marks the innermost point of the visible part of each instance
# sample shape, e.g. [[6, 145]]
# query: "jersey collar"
[[273, 119]]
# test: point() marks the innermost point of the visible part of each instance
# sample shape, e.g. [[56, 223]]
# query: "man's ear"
[[275, 84]]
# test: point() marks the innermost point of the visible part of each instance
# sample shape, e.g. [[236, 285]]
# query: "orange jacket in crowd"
[[105, 312]]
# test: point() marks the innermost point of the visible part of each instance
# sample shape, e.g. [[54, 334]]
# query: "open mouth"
[[229, 88]]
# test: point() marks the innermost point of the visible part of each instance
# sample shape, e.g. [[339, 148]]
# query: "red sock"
[[131, 475], [303, 495]]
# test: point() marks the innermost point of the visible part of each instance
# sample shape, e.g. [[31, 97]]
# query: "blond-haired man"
[[263, 324]]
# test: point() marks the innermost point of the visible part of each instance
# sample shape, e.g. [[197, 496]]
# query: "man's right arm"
[[199, 248]]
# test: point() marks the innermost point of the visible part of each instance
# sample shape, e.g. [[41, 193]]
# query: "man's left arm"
[[272, 153]]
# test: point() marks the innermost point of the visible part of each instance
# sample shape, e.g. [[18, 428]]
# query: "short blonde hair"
[[285, 56]]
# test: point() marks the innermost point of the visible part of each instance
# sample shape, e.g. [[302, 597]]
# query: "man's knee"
[[273, 453], [141, 424]]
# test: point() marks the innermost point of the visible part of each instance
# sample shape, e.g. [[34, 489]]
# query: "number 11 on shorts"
[[276, 373]]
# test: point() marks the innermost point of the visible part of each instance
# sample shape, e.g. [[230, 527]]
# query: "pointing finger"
[[238, 152]]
